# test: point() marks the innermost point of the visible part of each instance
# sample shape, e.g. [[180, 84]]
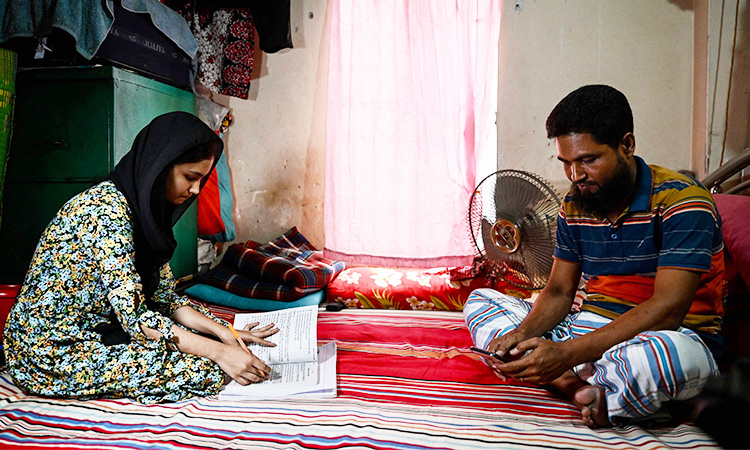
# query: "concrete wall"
[[275, 146], [645, 48]]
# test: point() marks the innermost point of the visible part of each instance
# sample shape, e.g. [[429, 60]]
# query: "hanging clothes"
[[226, 32], [226, 50]]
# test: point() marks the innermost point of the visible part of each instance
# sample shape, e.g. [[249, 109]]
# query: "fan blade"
[[537, 253], [515, 196], [475, 221], [488, 249]]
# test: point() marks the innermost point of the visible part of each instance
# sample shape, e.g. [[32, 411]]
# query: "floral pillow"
[[407, 288]]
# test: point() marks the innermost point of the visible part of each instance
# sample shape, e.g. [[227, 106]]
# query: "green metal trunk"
[[72, 125]]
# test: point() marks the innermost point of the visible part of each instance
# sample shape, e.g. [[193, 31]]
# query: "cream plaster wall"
[[644, 48], [275, 146]]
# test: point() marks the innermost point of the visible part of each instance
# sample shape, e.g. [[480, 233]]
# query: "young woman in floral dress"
[[97, 314]]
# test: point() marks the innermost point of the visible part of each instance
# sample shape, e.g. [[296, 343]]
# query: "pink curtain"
[[411, 92]]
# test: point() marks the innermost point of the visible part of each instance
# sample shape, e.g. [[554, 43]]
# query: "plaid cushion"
[[286, 269], [291, 239]]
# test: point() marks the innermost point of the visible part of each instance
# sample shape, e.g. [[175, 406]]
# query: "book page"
[[296, 340], [283, 378], [305, 373], [324, 372]]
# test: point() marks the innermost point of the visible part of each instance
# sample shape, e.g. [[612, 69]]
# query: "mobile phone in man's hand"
[[485, 353]]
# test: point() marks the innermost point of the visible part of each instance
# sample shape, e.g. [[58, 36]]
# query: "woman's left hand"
[[258, 335], [250, 334]]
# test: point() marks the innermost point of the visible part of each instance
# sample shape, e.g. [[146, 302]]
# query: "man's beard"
[[610, 195]]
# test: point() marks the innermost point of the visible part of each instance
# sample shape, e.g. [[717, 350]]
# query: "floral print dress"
[[83, 273]]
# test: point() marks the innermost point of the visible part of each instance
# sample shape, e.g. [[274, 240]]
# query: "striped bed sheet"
[[406, 380]]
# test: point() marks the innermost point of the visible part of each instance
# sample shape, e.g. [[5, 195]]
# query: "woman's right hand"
[[231, 358], [244, 368]]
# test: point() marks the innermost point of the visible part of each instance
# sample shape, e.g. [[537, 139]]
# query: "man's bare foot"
[[593, 405]]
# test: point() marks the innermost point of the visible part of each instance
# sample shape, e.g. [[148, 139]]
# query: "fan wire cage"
[[513, 223]]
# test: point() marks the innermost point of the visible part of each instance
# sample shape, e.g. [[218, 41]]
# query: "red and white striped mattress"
[[406, 380]]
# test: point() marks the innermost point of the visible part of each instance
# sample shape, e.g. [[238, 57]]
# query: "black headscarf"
[[141, 176]]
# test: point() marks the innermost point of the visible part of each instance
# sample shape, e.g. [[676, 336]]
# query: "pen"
[[244, 347]]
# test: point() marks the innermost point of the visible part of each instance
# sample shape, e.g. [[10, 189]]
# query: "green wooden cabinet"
[[72, 125]]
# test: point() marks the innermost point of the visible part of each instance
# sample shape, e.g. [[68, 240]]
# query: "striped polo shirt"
[[671, 223]]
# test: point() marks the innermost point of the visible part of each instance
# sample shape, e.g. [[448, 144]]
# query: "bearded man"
[[646, 241]]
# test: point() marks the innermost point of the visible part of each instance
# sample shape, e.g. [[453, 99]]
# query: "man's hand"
[[540, 361], [502, 346]]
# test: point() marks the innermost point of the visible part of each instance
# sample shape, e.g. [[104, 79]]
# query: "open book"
[[298, 367]]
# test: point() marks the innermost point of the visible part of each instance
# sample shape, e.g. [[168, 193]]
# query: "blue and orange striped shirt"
[[671, 223]]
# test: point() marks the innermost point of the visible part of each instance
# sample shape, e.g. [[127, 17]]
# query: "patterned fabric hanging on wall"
[[226, 48], [226, 31]]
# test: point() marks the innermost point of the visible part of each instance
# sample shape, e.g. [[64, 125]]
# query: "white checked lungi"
[[637, 375]]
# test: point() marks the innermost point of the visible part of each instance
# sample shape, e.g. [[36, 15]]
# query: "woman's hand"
[[243, 367], [258, 335], [250, 334], [232, 359]]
